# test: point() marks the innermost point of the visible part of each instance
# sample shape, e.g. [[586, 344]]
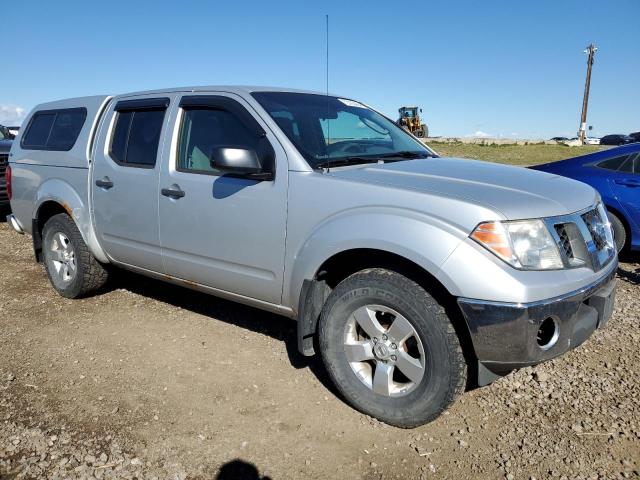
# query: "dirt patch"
[[150, 380]]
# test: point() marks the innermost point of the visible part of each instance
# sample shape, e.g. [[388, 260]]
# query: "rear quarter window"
[[55, 130]]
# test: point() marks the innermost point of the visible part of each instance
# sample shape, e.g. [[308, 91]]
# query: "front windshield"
[[330, 130]]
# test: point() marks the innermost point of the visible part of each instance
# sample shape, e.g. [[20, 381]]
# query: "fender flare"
[[402, 235], [59, 191]]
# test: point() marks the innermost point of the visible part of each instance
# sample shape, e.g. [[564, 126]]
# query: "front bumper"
[[505, 336]]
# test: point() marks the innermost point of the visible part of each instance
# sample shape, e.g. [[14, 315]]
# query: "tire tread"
[[94, 275], [421, 298]]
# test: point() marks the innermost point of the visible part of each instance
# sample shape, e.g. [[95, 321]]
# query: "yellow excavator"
[[409, 119]]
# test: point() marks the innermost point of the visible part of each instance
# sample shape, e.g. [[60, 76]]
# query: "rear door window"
[[136, 135], [614, 163], [55, 130], [627, 166]]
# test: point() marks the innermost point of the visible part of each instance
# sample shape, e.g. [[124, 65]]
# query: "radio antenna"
[[327, 88]]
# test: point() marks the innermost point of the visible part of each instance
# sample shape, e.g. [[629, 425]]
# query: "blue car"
[[615, 173]]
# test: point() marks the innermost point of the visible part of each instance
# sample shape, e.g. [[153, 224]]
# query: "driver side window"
[[205, 129]]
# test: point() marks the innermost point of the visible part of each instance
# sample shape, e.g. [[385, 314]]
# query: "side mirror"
[[233, 160]]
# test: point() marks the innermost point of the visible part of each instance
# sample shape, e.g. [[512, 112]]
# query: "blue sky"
[[502, 68]]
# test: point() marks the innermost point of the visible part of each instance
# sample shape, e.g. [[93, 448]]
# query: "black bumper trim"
[[504, 334]]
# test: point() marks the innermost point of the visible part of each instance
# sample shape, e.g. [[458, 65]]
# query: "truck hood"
[[514, 192]]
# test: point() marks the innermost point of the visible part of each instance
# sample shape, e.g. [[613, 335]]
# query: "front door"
[[222, 231], [125, 174]]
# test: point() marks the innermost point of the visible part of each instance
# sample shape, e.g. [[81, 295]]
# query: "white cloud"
[[480, 134], [11, 114]]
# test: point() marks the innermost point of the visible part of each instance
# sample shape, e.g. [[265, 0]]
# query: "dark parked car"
[[635, 136], [5, 145], [616, 139], [615, 173], [560, 139]]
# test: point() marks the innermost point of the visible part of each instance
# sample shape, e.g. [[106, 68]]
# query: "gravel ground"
[[153, 381]]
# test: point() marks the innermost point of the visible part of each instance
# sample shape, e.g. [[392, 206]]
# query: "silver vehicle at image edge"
[[414, 276]]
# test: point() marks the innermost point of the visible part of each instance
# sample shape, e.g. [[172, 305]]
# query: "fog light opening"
[[547, 333]]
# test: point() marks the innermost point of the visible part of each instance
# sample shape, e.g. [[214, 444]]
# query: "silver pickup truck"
[[413, 275]]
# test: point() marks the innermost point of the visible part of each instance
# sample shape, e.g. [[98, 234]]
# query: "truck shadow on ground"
[[275, 326]]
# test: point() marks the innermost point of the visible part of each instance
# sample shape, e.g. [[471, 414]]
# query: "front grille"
[[582, 239], [565, 242], [592, 220]]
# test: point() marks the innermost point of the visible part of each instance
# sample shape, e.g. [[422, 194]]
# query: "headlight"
[[524, 244], [606, 226]]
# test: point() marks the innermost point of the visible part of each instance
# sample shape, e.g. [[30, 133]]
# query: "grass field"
[[513, 154]]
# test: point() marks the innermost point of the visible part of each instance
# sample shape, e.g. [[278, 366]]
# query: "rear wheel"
[[72, 269], [619, 232], [390, 348]]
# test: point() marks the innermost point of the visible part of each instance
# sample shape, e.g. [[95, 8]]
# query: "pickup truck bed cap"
[[78, 156]]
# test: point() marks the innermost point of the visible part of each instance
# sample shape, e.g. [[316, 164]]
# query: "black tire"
[[619, 232], [88, 275], [425, 131], [444, 366]]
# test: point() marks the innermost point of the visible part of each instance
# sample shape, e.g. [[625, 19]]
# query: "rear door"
[[125, 176], [222, 231]]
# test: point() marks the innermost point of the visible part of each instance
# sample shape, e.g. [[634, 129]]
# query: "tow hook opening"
[[547, 333]]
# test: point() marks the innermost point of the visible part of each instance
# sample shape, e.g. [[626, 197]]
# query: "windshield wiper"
[[384, 157], [343, 161], [405, 154]]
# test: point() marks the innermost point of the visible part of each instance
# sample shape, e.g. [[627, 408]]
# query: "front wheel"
[[390, 348]]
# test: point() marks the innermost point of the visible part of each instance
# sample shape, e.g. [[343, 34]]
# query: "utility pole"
[[591, 51]]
